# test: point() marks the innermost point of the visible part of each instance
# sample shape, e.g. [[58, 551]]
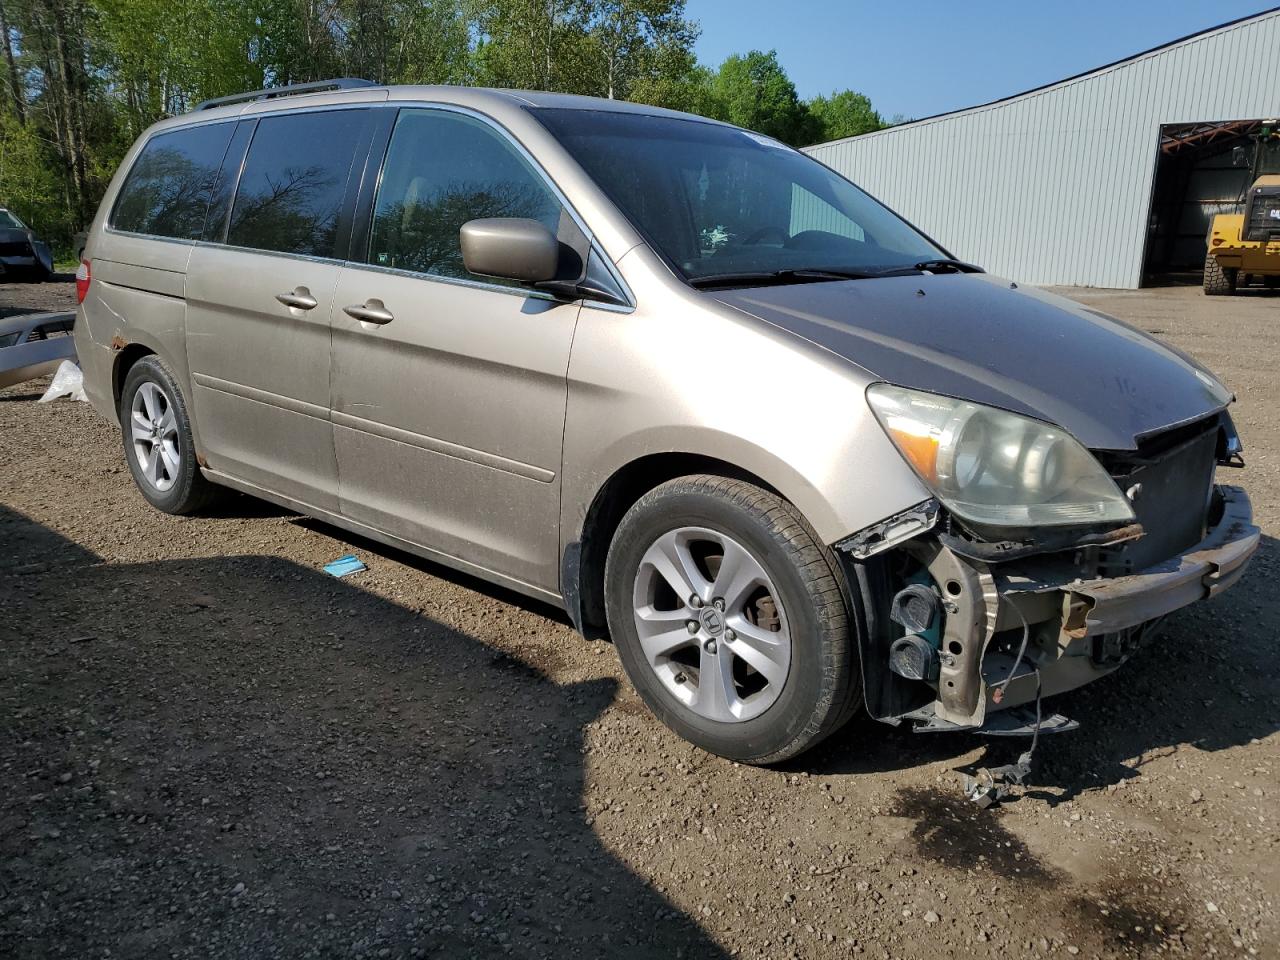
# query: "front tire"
[[158, 445], [730, 620], [1218, 282]]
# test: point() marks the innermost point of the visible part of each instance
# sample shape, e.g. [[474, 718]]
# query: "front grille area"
[[1175, 471], [1263, 220], [17, 248]]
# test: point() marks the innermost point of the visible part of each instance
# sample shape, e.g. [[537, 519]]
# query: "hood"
[[977, 338]]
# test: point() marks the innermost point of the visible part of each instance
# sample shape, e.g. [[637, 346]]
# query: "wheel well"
[[124, 361], [584, 577]]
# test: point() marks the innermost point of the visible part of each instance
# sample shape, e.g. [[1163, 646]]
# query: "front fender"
[[683, 374]]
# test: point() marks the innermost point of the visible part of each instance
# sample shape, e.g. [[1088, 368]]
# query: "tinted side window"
[[294, 181], [215, 221], [443, 169], [166, 193]]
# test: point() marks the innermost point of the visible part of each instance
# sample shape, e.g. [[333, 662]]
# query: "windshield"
[[7, 219], [1268, 155], [715, 200]]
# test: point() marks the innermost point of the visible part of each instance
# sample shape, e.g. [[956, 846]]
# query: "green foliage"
[[29, 186], [753, 91], [844, 114], [86, 77]]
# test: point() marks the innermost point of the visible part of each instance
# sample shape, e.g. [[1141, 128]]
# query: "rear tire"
[[158, 445], [1218, 282], [780, 585]]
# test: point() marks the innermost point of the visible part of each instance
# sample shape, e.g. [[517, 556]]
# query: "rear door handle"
[[371, 311], [299, 297]]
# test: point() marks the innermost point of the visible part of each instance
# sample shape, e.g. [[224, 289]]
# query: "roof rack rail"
[[315, 86]]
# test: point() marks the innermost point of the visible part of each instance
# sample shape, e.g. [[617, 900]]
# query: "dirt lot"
[[209, 748]]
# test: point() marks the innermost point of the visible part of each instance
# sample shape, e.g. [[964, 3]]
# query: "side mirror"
[[510, 248]]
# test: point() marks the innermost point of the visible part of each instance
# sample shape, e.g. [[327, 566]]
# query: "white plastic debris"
[[68, 381]]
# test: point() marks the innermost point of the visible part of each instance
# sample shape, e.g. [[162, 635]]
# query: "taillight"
[[83, 276]]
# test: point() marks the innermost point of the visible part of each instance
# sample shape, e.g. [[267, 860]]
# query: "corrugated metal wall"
[[1054, 186]]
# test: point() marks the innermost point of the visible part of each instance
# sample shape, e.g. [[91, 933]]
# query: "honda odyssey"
[[679, 378]]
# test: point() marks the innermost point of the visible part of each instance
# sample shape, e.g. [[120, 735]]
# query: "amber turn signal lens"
[[920, 449]]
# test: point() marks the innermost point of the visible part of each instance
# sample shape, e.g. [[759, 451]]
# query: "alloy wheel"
[[154, 431], [711, 624]]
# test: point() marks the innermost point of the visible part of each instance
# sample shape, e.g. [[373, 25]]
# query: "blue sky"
[[929, 56]]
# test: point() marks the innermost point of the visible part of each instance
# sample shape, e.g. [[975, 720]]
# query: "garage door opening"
[[1203, 169]]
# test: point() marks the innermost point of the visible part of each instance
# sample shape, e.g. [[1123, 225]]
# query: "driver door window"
[[443, 169]]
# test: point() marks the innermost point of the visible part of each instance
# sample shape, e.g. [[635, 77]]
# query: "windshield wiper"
[[947, 263], [761, 278]]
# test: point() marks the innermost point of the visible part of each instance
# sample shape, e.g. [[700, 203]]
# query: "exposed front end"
[[961, 625]]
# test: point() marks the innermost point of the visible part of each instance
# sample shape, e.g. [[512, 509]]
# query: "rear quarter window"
[[166, 193]]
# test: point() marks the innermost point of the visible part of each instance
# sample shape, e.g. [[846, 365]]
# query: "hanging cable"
[[991, 786], [997, 695]]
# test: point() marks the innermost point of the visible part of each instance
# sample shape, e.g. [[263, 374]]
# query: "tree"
[[530, 44], [427, 41], [753, 91], [84, 78], [52, 38], [638, 45], [843, 114], [29, 183], [160, 56], [15, 82]]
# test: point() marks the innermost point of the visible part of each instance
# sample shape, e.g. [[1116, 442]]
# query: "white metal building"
[[1056, 185]]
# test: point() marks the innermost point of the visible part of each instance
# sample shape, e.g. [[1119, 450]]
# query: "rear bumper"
[[1205, 570]]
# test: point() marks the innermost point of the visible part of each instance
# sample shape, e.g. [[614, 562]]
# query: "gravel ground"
[[209, 748]]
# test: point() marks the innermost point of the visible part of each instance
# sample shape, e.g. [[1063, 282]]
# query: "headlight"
[[997, 468]]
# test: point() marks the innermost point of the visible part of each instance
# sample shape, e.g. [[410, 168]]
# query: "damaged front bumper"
[[1208, 568], [1009, 632]]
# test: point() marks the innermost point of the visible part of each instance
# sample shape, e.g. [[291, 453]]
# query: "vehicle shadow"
[[438, 570], [1206, 681], [1199, 682], [240, 756]]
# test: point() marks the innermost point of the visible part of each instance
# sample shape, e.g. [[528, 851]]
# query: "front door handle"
[[299, 297], [371, 311]]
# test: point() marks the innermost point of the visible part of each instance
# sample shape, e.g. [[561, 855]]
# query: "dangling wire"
[[997, 695], [992, 785]]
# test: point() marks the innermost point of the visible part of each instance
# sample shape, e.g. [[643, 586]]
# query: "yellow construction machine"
[[1244, 247]]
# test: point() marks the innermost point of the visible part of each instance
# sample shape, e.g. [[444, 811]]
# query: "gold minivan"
[[673, 375]]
